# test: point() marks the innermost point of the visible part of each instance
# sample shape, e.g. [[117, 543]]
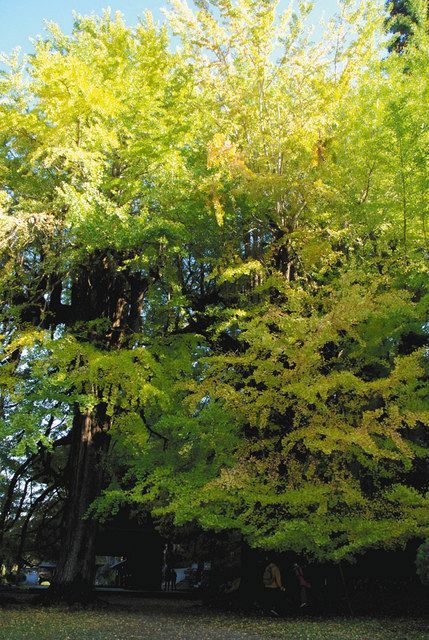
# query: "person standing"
[[273, 588], [167, 579], [303, 584]]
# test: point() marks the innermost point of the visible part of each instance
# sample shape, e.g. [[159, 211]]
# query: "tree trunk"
[[74, 576], [100, 290]]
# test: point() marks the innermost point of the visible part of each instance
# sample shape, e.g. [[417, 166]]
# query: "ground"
[[148, 619]]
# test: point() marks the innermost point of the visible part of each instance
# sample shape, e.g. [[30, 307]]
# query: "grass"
[[172, 620]]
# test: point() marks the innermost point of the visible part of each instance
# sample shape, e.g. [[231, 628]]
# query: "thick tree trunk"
[[74, 576], [99, 290]]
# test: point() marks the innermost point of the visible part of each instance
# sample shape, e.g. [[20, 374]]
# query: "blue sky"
[[22, 19]]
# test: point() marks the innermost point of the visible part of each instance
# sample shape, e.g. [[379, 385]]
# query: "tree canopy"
[[214, 268]]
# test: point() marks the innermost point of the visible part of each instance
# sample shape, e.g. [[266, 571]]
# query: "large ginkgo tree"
[[319, 183], [98, 134], [214, 287]]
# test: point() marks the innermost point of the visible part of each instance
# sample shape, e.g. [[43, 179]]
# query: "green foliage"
[[224, 247]]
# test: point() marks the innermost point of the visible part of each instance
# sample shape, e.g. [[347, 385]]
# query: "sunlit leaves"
[[268, 194]]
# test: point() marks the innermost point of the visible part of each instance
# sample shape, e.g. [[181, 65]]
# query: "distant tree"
[[405, 15]]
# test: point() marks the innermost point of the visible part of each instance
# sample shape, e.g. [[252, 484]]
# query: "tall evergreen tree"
[[405, 15]]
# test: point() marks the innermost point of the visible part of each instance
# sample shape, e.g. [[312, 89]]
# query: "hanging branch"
[[152, 432], [39, 500]]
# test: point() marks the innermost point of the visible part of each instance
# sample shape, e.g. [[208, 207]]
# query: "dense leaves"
[[217, 256]]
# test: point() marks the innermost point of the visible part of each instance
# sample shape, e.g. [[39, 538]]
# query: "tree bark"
[[74, 576], [99, 290]]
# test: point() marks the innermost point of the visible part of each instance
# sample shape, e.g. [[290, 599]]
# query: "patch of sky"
[[23, 20]]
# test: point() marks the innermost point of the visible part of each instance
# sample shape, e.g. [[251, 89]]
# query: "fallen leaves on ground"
[[172, 620]]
